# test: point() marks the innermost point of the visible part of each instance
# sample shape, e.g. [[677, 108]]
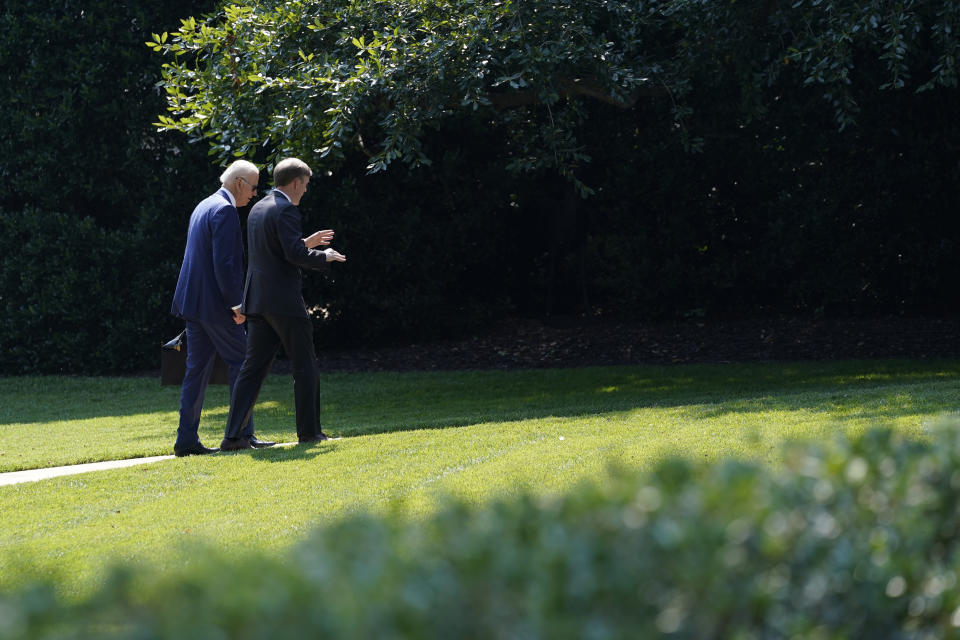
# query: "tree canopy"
[[311, 77]]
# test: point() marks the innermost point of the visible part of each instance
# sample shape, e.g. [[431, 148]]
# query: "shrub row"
[[782, 214], [94, 205], [850, 539], [75, 297]]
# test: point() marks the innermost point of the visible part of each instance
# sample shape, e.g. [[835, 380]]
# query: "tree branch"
[[576, 87]]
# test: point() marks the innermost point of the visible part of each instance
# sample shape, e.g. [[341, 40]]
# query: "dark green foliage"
[[850, 539], [778, 158], [314, 77], [79, 99], [783, 215], [428, 250], [95, 201], [75, 297]]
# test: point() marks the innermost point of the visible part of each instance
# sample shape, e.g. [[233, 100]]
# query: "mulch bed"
[[590, 342]]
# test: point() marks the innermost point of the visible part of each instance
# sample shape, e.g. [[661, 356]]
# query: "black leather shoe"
[[257, 443], [320, 437], [193, 450], [235, 444]]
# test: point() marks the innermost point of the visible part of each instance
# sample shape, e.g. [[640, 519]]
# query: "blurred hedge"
[[851, 539]]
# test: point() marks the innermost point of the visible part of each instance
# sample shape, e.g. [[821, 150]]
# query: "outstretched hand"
[[334, 256], [318, 238]]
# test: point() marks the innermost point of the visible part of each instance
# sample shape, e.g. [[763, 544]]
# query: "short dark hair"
[[288, 170]]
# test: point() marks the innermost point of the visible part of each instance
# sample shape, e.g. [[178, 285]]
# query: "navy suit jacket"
[[211, 278], [276, 254]]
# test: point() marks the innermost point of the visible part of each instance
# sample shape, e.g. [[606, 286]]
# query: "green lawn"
[[406, 439]]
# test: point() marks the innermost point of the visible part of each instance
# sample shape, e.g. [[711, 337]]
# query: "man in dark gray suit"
[[274, 308]]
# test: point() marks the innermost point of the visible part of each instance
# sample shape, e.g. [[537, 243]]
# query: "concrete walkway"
[[32, 475]]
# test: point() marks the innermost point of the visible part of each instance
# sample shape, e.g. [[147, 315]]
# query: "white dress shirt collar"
[[282, 193], [229, 196]]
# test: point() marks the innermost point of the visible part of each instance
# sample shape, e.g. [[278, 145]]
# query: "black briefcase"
[[173, 363]]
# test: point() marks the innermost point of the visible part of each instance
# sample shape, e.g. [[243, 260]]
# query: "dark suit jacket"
[[211, 277], [276, 255]]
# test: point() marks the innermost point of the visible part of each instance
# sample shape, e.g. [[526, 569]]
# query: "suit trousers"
[[265, 334], [204, 341]]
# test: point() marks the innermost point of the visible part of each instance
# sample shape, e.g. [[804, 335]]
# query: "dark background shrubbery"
[[94, 202], [782, 214], [852, 539]]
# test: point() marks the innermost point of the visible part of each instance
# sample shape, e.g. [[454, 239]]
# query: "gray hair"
[[238, 169]]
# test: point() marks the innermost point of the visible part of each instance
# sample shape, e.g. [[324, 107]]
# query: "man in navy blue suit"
[[273, 301], [208, 297]]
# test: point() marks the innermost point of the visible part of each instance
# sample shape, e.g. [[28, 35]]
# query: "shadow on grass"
[[285, 453], [293, 452], [853, 390], [875, 408]]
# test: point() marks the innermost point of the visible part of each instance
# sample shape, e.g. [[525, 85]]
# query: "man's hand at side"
[[238, 318]]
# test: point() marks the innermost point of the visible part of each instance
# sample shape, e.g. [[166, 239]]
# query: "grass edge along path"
[[45, 473]]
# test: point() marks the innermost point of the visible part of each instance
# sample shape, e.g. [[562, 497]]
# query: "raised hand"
[[318, 238]]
